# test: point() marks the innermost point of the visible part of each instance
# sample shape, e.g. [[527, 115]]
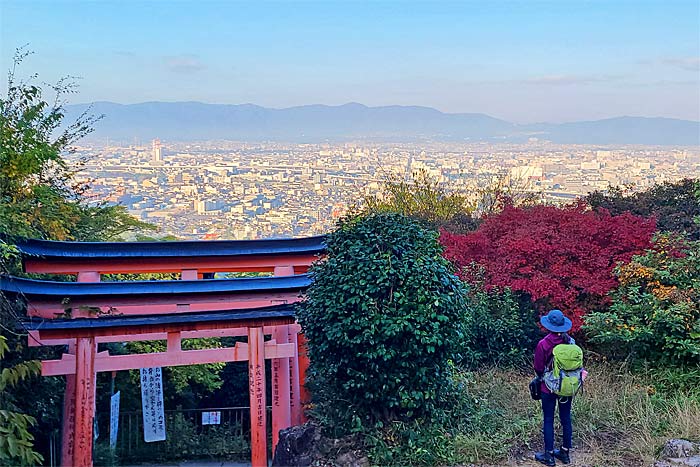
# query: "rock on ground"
[[679, 453], [304, 446], [296, 446]]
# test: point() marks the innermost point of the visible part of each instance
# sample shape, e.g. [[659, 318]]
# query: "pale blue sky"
[[523, 61]]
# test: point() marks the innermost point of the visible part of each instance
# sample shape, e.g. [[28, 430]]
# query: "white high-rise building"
[[157, 151]]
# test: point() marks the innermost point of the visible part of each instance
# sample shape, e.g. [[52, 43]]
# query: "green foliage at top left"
[[15, 438], [39, 194], [40, 197]]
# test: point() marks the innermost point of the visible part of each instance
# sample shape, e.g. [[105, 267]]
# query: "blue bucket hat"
[[555, 321]]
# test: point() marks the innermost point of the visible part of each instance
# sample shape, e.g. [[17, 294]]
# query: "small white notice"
[[114, 419], [211, 418], [152, 404]]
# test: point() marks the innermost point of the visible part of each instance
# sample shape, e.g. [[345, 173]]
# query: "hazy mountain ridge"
[[182, 121]]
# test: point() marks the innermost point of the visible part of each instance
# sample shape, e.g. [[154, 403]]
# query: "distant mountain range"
[[192, 121]]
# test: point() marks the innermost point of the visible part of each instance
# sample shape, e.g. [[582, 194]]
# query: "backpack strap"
[[549, 366]]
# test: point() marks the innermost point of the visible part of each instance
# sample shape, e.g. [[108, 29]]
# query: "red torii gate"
[[169, 310]]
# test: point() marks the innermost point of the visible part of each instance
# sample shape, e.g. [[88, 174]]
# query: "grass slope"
[[623, 418]]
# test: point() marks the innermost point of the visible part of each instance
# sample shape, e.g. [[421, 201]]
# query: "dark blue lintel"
[[177, 249], [276, 311], [51, 289]]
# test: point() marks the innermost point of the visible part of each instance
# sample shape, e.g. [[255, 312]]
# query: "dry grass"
[[620, 419]]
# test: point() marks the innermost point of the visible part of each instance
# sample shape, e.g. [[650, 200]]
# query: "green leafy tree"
[[675, 205], [21, 397], [15, 439], [496, 192], [39, 194], [383, 318], [503, 327], [40, 197], [423, 198], [655, 311]]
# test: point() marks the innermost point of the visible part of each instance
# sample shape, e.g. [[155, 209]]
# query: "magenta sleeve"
[[539, 361]]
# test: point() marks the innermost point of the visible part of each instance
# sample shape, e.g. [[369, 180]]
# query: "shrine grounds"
[[622, 418]]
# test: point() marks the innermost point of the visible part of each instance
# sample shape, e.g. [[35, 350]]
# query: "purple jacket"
[[543, 354]]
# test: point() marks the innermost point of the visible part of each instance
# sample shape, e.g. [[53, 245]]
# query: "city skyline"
[[237, 190], [520, 61]]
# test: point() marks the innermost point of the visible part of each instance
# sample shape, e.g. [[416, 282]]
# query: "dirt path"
[[579, 458]]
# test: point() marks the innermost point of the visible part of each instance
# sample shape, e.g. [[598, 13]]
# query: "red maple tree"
[[561, 257]]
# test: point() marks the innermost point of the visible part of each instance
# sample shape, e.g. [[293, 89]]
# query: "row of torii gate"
[[83, 314]]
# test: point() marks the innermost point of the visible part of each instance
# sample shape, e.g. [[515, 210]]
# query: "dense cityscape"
[[235, 190]]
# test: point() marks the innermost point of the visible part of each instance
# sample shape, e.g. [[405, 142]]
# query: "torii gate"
[[89, 312]]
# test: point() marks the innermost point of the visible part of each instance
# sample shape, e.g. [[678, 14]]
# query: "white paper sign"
[[114, 419], [152, 404], [211, 418]]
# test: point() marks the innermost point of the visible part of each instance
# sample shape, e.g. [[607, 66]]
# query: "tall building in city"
[[157, 151]]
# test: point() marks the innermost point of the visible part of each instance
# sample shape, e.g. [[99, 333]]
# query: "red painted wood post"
[[304, 395], [89, 276], [281, 410], [284, 271], [84, 400], [294, 400], [189, 275], [281, 377], [174, 342], [68, 422], [256, 388]]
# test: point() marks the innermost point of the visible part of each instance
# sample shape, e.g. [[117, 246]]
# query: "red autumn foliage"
[[561, 257]]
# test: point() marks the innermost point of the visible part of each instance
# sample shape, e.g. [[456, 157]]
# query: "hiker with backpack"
[[559, 367]]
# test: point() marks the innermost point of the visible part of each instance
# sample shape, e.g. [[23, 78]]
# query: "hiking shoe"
[[563, 455], [545, 458]]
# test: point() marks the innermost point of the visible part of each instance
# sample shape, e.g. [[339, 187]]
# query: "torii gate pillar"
[[71, 399], [84, 401], [256, 388], [281, 388]]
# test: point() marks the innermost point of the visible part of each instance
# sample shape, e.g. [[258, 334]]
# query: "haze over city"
[[253, 120]]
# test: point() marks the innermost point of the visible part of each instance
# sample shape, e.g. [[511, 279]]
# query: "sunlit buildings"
[[261, 190]]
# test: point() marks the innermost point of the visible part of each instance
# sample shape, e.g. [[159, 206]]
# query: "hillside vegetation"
[[630, 282]]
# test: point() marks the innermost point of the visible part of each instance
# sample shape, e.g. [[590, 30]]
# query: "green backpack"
[[565, 377]]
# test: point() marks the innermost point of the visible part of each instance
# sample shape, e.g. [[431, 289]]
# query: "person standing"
[[558, 325]]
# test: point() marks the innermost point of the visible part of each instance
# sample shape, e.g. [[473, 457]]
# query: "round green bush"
[[383, 319]]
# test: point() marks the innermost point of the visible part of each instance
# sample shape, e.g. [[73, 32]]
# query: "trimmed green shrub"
[[383, 318]]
